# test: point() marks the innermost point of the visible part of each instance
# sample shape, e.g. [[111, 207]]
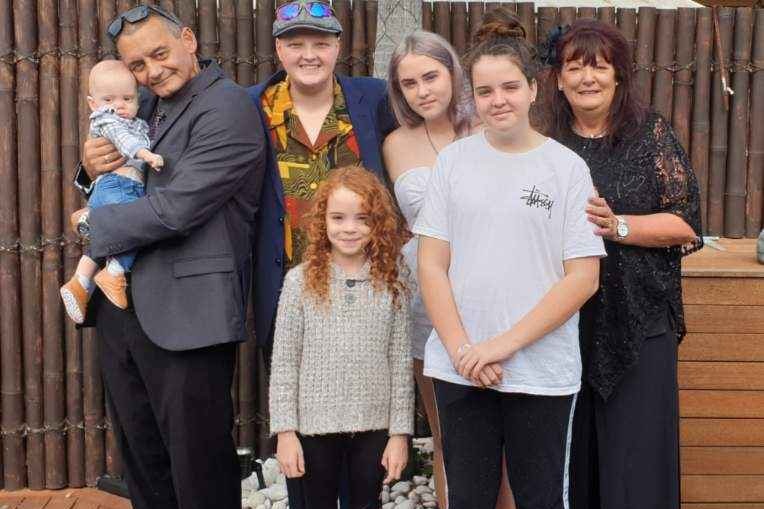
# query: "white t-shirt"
[[511, 220]]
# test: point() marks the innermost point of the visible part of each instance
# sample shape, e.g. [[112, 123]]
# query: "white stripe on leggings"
[[568, 440]]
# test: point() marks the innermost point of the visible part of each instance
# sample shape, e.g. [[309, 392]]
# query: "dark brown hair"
[[588, 40], [502, 34]]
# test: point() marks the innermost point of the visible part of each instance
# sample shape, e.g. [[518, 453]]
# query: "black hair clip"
[[548, 49]]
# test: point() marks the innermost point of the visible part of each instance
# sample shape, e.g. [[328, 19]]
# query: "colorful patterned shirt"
[[304, 165]]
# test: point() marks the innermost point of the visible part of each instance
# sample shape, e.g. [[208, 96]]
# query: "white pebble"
[[431, 503], [399, 500], [256, 499], [389, 505], [422, 489], [384, 497], [275, 492], [406, 504], [404, 486], [419, 480]]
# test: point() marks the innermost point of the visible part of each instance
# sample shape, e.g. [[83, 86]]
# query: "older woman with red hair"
[[626, 430]]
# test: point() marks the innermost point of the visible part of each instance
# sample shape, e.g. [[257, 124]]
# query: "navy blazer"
[[372, 120]]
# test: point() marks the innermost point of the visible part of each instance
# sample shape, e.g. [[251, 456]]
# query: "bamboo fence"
[[53, 424]]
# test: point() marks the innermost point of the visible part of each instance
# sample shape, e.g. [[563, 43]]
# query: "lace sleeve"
[[678, 191]]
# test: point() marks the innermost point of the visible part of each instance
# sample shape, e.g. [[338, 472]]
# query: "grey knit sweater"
[[342, 367]]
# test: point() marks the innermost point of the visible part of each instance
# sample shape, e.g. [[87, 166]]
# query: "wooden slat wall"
[[721, 380]]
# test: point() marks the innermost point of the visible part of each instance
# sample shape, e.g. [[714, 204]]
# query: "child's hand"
[[395, 457], [156, 161], [289, 454]]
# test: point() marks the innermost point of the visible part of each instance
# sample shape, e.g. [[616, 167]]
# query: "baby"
[[113, 101]]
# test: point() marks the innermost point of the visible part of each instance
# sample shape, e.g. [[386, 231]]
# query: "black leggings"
[[324, 454], [478, 425]]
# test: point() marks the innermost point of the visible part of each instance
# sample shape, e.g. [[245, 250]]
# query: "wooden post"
[[526, 13], [208, 31], [54, 395], [265, 53], [107, 11], [664, 63], [700, 109], [264, 443], [753, 204], [372, 8], [644, 54], [245, 75], [547, 20], [459, 27], [358, 49], [28, 129], [186, 11], [606, 15], [627, 24], [718, 164], [247, 385], [427, 15], [587, 13], [342, 10], [734, 203], [11, 394], [443, 19], [567, 15], [70, 155], [227, 38], [683, 77], [475, 12], [167, 5]]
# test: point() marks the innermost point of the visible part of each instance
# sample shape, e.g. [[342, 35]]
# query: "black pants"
[[324, 456], [626, 449], [172, 417], [478, 425]]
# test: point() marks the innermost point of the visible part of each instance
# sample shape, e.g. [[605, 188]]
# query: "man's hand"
[[289, 454], [395, 457], [74, 219], [99, 156]]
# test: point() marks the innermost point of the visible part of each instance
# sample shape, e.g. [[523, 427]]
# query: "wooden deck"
[[62, 499]]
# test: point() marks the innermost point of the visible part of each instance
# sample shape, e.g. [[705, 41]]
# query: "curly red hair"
[[388, 234]]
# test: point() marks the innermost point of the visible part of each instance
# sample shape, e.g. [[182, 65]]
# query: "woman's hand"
[[599, 213], [395, 457], [100, 156], [476, 358], [289, 454]]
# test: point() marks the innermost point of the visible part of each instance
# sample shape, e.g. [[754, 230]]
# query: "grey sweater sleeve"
[[287, 351], [401, 383]]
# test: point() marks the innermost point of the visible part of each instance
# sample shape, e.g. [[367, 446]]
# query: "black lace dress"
[[645, 173]]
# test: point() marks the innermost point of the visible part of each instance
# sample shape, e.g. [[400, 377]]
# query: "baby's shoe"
[[75, 299], [114, 287]]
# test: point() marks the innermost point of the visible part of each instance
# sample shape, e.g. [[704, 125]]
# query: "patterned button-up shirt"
[[304, 165]]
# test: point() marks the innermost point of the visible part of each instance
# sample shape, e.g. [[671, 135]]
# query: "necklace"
[[592, 136], [429, 138]]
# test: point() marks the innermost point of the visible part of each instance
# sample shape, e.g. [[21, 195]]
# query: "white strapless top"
[[410, 187]]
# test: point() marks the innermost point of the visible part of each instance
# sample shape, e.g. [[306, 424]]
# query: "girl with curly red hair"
[[341, 376]]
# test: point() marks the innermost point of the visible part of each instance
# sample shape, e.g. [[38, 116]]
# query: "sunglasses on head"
[[136, 14], [315, 9]]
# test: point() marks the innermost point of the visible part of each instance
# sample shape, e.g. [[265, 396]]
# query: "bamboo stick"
[[567, 15], [627, 24], [683, 77], [644, 54], [91, 381], [427, 15], [264, 45], [753, 204], [167, 5], [124, 5], [227, 37], [664, 63], [372, 8], [525, 11], [719, 118], [547, 20], [11, 395], [459, 27], [245, 73], [75, 445], [342, 10], [475, 12], [247, 385], [53, 329], [208, 31], [587, 13], [606, 15], [114, 466], [734, 202], [264, 445], [186, 10], [443, 19], [107, 11], [700, 110], [28, 129], [358, 49]]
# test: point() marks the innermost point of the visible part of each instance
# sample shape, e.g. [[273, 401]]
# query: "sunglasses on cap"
[[136, 14], [315, 9]]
